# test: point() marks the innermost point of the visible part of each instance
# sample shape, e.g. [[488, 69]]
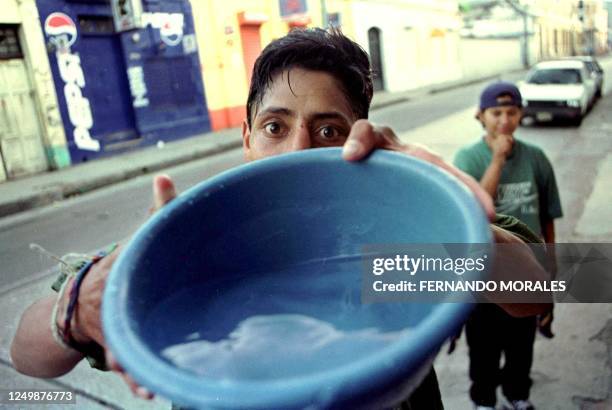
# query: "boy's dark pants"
[[491, 331]]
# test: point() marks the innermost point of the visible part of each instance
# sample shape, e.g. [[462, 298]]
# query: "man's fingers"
[[135, 388], [111, 362], [365, 137], [163, 191], [361, 141]]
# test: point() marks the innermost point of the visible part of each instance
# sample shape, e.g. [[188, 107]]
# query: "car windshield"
[[555, 76], [590, 66]]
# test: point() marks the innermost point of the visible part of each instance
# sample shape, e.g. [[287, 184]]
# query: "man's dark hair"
[[318, 50]]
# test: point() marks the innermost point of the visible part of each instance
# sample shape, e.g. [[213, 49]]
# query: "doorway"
[[21, 145]]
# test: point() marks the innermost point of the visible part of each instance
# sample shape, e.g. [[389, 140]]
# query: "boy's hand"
[[501, 146]]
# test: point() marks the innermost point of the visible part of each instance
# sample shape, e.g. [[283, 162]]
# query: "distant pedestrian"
[[521, 181]]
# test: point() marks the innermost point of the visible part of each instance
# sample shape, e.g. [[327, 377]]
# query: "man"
[[520, 179], [309, 89]]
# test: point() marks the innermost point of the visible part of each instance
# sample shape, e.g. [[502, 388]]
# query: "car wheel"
[[577, 121]]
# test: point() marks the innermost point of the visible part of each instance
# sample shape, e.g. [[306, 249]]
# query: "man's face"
[[302, 109], [502, 120]]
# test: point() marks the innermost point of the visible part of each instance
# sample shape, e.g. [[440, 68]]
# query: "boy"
[[521, 181]]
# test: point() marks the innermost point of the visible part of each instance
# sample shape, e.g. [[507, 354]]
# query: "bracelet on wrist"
[[62, 330]]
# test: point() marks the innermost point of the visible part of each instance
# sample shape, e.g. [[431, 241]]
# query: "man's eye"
[[329, 133], [273, 128]]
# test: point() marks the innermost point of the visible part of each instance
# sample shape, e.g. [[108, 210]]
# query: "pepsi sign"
[[62, 33]]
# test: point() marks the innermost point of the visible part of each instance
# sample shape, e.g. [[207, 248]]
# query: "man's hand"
[[515, 260], [34, 349], [87, 321], [365, 137], [87, 324]]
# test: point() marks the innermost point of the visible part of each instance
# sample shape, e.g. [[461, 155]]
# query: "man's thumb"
[[163, 191]]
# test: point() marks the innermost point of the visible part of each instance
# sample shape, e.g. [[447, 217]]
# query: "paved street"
[[572, 371]]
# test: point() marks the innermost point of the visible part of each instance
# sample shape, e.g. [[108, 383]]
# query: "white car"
[[558, 89]]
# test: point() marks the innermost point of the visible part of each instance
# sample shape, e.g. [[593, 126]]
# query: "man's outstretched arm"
[[34, 350]]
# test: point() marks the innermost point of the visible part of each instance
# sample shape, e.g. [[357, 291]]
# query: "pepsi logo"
[[170, 26], [61, 30]]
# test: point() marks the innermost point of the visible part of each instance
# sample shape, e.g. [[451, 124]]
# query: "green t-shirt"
[[527, 187]]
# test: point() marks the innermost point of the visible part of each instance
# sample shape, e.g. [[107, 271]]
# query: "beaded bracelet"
[[64, 336], [55, 331]]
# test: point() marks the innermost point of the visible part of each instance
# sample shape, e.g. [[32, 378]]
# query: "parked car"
[[558, 89], [594, 70]]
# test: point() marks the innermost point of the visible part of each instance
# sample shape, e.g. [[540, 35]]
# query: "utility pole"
[[324, 18], [525, 48], [586, 43]]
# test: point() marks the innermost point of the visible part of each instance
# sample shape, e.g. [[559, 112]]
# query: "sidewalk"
[[43, 189]]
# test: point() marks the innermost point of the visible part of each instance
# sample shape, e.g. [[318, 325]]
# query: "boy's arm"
[[492, 175]]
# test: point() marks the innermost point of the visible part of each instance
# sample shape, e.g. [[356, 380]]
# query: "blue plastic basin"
[[244, 292]]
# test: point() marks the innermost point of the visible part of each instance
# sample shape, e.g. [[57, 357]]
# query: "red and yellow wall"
[[232, 33]]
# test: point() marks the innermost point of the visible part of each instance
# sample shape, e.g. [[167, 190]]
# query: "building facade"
[[104, 76], [32, 136], [608, 7], [232, 33], [126, 73], [568, 27], [411, 43]]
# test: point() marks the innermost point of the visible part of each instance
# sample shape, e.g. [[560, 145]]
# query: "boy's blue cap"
[[489, 95]]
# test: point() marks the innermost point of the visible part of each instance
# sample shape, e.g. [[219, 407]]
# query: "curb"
[[61, 191]]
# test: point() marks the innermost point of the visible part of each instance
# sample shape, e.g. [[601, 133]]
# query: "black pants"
[[490, 332]]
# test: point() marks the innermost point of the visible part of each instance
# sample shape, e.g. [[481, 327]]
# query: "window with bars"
[[9, 42]]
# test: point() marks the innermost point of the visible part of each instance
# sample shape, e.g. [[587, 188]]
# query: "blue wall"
[[118, 91]]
